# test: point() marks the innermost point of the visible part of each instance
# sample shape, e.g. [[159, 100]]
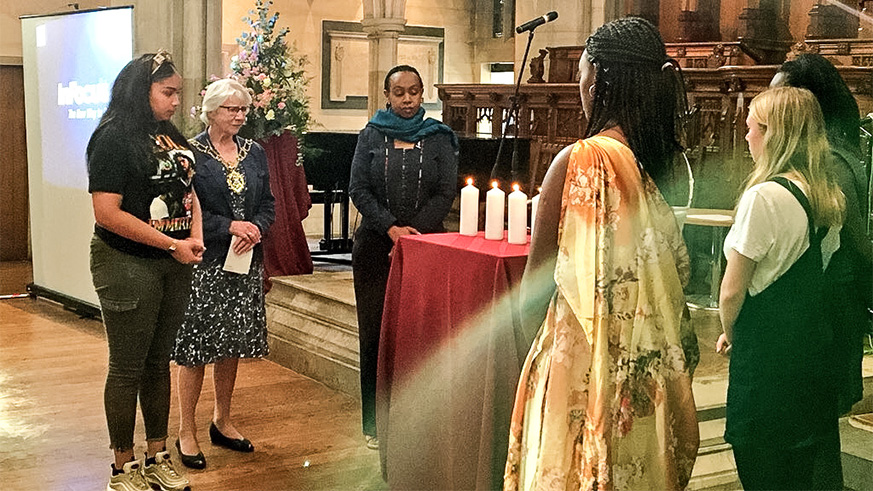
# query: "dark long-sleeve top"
[[210, 184], [414, 187], [852, 263]]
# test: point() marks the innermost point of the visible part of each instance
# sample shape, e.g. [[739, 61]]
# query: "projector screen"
[[70, 61]]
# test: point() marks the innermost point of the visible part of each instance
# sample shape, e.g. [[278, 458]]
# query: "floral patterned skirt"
[[225, 318]]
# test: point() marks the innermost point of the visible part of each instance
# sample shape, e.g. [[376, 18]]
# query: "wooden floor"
[[53, 433]]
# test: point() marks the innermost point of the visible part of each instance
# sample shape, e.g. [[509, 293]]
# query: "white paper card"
[[237, 263]]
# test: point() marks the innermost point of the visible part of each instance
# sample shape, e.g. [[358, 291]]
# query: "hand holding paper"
[[236, 262]]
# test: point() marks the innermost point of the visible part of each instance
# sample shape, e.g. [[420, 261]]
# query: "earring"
[[591, 90]]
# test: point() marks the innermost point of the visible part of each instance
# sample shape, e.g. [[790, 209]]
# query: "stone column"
[[763, 31], [647, 9], [699, 20], [865, 27], [383, 22], [383, 34], [833, 21], [191, 31]]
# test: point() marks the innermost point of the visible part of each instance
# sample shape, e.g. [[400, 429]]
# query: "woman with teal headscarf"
[[404, 180]]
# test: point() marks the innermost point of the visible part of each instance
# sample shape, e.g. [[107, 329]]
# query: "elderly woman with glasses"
[[225, 320]]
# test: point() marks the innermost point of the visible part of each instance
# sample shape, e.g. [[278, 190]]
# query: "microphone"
[[533, 24]]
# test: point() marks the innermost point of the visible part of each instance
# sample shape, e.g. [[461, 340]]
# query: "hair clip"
[[161, 57]]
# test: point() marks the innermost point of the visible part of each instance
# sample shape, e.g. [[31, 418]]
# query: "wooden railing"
[[551, 116], [564, 60], [551, 112]]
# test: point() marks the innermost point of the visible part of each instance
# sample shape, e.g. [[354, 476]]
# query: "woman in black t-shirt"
[[148, 233]]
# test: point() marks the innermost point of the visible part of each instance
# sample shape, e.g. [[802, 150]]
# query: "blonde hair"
[[219, 91], [795, 140]]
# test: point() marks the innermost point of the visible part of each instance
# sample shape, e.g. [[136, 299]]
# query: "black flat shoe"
[[236, 444], [191, 461]]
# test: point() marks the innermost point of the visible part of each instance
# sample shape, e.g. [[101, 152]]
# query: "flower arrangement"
[[274, 74]]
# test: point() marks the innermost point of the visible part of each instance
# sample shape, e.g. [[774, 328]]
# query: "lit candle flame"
[[515, 187], [494, 184], [469, 181]]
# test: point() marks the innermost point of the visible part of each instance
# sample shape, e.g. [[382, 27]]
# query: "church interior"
[[301, 405]]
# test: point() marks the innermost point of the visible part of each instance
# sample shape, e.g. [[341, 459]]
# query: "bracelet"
[[172, 247]]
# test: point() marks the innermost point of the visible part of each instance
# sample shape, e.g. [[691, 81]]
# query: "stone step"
[[857, 446], [715, 468], [313, 328]]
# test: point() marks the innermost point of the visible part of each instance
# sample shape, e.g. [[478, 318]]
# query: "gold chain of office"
[[236, 180]]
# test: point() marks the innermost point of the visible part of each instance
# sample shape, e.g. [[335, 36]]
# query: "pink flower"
[[262, 76], [281, 105]]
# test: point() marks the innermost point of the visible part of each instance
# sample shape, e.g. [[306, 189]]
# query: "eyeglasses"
[[161, 57], [236, 109]]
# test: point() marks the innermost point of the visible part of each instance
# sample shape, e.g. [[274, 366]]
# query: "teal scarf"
[[410, 130]]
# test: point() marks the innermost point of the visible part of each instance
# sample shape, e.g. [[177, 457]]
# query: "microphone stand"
[[513, 115]]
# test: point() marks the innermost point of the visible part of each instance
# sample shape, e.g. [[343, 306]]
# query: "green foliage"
[[274, 73]]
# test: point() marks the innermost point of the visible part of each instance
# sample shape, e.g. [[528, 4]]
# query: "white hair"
[[218, 92]]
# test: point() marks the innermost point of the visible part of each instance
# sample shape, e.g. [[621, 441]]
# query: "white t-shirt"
[[770, 228]]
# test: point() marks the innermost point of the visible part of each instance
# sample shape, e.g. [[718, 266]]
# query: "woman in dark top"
[[849, 271], [226, 319], [403, 181], [147, 234]]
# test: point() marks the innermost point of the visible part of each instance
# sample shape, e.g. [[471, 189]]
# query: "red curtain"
[[285, 249]]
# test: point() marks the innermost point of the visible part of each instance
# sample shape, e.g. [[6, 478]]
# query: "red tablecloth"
[[448, 361]]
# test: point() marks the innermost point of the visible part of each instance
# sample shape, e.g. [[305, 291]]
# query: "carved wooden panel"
[[551, 113], [857, 52]]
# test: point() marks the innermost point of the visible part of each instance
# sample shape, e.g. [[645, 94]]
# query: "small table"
[[448, 361], [718, 220]]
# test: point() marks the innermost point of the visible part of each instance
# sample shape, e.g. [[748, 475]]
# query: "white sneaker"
[[131, 479], [372, 442], [163, 474]]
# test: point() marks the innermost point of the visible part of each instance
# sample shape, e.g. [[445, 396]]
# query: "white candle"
[[469, 209], [534, 205], [517, 216], [495, 200]]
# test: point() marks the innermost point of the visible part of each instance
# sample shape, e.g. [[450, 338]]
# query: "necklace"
[[236, 180]]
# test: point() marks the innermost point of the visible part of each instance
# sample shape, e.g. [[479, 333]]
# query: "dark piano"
[[328, 162]]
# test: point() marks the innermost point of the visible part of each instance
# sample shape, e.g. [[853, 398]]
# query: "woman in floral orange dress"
[[604, 400]]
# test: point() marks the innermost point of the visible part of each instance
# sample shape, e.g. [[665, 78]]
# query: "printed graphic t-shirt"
[[162, 198]]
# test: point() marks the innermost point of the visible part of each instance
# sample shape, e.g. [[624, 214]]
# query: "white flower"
[[270, 115], [266, 82]]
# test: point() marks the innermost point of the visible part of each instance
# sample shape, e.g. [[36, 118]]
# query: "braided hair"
[[640, 89]]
